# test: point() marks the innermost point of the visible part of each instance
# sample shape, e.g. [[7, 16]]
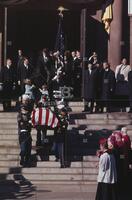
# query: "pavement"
[[25, 190]]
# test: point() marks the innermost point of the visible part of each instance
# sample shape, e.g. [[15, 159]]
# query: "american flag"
[[44, 117], [59, 45]]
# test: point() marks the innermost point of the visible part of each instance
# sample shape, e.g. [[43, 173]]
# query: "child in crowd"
[[44, 95], [29, 88]]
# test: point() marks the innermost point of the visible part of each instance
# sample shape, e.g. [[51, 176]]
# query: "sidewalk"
[[25, 190], [12, 190]]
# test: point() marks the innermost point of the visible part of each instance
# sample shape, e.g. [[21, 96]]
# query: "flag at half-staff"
[[107, 14], [60, 43]]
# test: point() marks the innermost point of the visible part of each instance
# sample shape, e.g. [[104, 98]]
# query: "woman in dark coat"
[[89, 92]]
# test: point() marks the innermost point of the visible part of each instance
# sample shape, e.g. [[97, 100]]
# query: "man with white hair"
[[125, 138], [122, 89], [122, 70], [26, 103]]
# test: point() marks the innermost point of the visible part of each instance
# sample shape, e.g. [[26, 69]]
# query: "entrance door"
[[33, 30]]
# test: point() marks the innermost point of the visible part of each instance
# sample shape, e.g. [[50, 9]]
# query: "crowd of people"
[[39, 95], [96, 83], [114, 157], [108, 89], [52, 69], [43, 104]]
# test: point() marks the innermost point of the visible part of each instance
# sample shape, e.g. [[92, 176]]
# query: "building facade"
[[29, 25]]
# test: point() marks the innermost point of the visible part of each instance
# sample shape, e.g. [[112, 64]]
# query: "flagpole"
[[5, 35], [59, 45], [83, 43]]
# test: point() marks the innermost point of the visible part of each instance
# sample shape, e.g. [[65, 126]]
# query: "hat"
[[102, 141]]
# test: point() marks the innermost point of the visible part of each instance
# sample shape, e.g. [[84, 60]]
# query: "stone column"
[[131, 40], [115, 42], [1, 35]]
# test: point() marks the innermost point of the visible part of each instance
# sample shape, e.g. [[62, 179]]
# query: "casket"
[[44, 117]]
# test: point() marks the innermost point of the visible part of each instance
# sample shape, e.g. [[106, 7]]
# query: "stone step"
[[92, 127], [96, 127], [70, 183], [13, 135], [13, 138], [8, 133], [11, 115], [9, 163], [6, 121], [9, 127], [103, 122], [114, 115], [49, 171], [9, 157], [9, 150], [110, 116], [4, 170], [12, 124], [76, 104], [13, 143], [60, 171], [90, 158], [51, 164], [54, 177], [6, 143]]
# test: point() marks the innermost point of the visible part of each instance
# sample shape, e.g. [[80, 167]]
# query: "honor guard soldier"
[[60, 145], [25, 140]]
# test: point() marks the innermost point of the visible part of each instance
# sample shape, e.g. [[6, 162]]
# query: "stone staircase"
[[83, 170]]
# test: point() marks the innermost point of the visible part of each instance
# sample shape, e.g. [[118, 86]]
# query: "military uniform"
[[60, 145], [25, 140]]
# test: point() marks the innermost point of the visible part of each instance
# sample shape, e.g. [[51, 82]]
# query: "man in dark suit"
[[44, 65], [20, 58], [7, 79], [108, 87], [24, 72], [90, 87], [77, 74]]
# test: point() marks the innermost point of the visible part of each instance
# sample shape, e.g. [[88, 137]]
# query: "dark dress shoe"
[[62, 166]]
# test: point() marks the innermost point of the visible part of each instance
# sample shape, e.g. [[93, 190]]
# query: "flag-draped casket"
[[44, 117]]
